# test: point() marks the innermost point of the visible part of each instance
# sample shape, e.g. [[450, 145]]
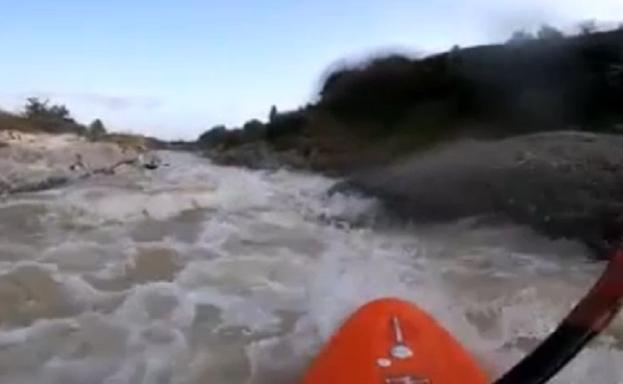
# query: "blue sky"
[[175, 68]]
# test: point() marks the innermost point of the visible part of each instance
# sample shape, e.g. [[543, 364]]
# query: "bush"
[[273, 113], [96, 130], [54, 118], [587, 27], [253, 130], [37, 109], [285, 124], [496, 89], [214, 132], [214, 136], [521, 37], [549, 33]]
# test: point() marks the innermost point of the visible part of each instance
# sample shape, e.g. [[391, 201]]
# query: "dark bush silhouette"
[[380, 109], [97, 130], [221, 137], [54, 118], [253, 130], [587, 27], [35, 109], [543, 85], [547, 32], [283, 125], [520, 37], [273, 113], [212, 134]]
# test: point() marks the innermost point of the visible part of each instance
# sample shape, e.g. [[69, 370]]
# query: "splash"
[[198, 273]]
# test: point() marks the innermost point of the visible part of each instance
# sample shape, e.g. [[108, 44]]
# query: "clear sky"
[[174, 68]]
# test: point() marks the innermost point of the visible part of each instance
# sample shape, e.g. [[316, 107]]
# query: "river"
[[196, 273]]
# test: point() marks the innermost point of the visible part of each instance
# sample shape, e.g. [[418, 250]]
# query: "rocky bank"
[[38, 161], [564, 184]]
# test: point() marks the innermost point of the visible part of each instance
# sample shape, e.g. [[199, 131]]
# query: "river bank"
[[477, 130], [32, 161], [563, 184]]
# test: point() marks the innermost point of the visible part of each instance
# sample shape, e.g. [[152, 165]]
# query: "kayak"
[[391, 341]]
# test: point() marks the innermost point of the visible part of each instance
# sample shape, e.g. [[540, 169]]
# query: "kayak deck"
[[390, 341]]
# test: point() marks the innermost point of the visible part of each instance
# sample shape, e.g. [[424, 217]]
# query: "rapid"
[[196, 273]]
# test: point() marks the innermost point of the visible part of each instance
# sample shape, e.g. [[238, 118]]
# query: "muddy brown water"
[[196, 273]]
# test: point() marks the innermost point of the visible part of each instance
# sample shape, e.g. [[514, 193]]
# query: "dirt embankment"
[[37, 161], [564, 184]]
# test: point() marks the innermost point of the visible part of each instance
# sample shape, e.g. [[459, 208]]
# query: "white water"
[[203, 274]]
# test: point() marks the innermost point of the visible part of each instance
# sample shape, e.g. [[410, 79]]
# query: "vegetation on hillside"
[[534, 82], [96, 130], [43, 116], [52, 118], [526, 85]]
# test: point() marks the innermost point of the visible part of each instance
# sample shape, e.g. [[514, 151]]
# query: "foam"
[[268, 266]]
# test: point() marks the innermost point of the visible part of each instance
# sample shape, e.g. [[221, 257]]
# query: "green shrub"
[[547, 32], [53, 118], [520, 37], [510, 89], [97, 130], [253, 130]]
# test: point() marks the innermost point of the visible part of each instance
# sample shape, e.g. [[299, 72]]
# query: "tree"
[[520, 37], [587, 27], [547, 32], [252, 125], [253, 130], [36, 108], [214, 134], [273, 113], [60, 112], [454, 53], [54, 118], [97, 129]]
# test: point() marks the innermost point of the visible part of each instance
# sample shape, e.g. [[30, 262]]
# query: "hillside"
[[524, 131], [41, 117], [390, 106], [541, 84], [43, 147], [21, 123]]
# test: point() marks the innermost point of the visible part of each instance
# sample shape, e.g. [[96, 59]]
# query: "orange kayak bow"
[[390, 341]]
